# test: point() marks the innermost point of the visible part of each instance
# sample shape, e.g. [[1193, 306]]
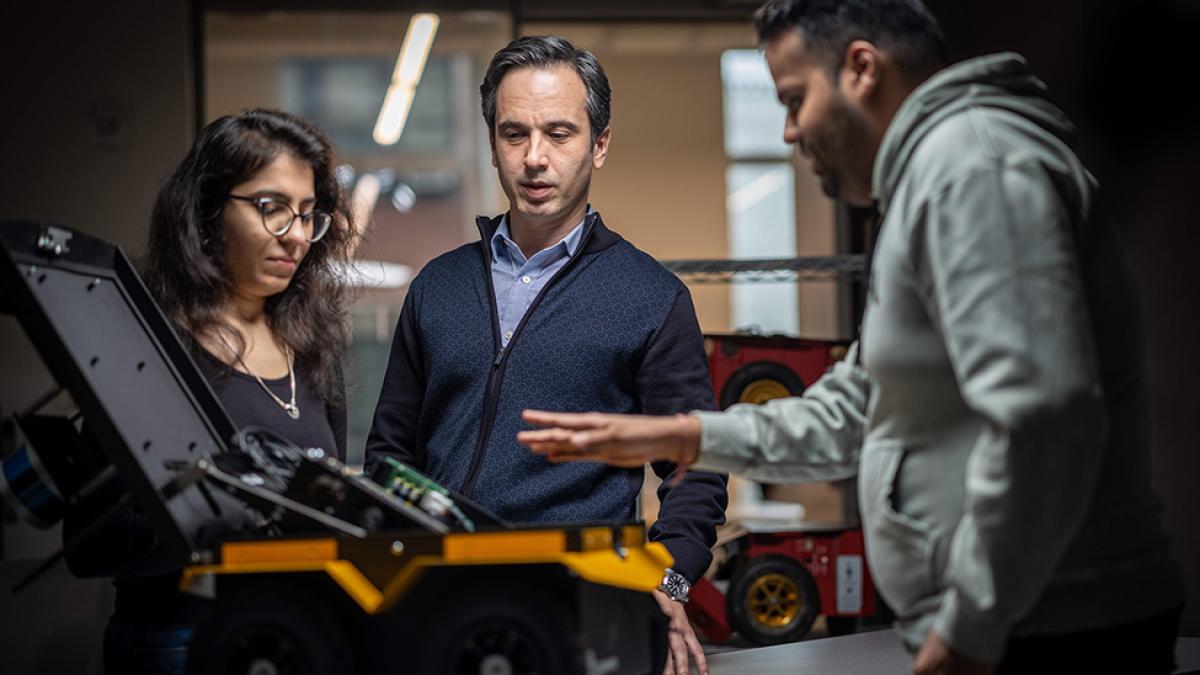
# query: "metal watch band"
[[675, 585]]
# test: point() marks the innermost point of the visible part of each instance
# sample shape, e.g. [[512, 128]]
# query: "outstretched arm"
[[812, 437]]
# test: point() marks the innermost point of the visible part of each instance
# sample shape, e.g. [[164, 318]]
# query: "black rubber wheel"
[[760, 382], [500, 632], [772, 600], [841, 625], [280, 629]]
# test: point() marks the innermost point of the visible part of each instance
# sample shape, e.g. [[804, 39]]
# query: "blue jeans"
[[145, 649]]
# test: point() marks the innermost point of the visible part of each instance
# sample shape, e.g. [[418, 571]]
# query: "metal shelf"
[[810, 268]]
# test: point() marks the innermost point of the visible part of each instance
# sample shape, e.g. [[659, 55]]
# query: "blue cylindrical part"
[[29, 490]]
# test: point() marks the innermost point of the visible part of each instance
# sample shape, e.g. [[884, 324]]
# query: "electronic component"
[[418, 490]]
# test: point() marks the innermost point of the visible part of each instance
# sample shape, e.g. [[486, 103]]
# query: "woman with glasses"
[[245, 241], [243, 256]]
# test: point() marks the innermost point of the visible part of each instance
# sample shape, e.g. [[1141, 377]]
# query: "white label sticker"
[[849, 584]]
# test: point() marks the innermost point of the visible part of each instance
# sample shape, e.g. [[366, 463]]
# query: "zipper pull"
[[499, 357]]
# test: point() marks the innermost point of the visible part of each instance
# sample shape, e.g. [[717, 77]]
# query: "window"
[[342, 95], [760, 200]]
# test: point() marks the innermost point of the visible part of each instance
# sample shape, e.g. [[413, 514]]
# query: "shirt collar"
[[502, 240]]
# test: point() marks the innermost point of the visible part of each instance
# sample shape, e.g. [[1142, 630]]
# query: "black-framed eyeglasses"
[[278, 216]]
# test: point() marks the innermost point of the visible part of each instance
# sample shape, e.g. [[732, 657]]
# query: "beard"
[[842, 146], [829, 185]]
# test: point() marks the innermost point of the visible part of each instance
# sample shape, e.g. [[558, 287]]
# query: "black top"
[[319, 425], [128, 538]]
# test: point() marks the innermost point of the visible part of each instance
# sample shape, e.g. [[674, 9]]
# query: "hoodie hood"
[[1001, 81]]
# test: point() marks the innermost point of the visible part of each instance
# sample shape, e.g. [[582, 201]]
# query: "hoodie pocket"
[[900, 548]]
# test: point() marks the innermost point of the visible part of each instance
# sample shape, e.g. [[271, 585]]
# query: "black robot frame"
[[313, 567]]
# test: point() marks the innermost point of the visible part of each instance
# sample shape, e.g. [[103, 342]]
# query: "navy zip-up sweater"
[[612, 331]]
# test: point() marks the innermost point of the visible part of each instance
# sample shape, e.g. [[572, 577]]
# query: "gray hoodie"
[[999, 431]]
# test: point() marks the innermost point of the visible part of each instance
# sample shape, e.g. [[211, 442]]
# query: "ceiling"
[[522, 10]]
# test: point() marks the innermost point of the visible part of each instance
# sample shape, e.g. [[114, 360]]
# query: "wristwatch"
[[675, 585]]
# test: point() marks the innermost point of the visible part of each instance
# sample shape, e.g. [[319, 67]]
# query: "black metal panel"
[[103, 338], [620, 630], [381, 557]]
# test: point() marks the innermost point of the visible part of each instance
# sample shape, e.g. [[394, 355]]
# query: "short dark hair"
[[541, 51], [904, 28], [185, 269]]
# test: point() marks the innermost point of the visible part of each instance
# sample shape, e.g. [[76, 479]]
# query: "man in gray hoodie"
[[993, 407]]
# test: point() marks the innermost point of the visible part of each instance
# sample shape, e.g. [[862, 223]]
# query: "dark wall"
[[97, 103], [1125, 72]]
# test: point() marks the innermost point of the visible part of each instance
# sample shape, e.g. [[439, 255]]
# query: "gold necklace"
[[290, 408]]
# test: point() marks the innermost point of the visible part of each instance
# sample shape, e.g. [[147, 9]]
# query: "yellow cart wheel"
[[760, 382], [772, 600]]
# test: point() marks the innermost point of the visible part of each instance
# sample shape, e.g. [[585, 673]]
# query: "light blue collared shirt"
[[518, 280]]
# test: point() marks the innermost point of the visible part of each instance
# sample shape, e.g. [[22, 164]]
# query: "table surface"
[[874, 653]]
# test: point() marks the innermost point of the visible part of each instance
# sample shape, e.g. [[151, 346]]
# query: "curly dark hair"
[[185, 267]]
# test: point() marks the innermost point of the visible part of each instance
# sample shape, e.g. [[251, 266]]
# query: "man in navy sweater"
[[551, 309]]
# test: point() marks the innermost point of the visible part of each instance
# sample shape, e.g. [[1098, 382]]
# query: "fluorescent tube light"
[[409, 65]]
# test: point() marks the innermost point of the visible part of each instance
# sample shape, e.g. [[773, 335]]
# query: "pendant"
[[292, 410]]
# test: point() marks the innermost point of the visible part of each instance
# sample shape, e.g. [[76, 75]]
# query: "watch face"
[[676, 586]]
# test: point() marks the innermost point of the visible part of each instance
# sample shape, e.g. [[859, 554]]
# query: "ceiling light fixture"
[[397, 102]]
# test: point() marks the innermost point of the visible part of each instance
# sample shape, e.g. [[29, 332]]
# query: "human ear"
[[600, 148], [860, 69]]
